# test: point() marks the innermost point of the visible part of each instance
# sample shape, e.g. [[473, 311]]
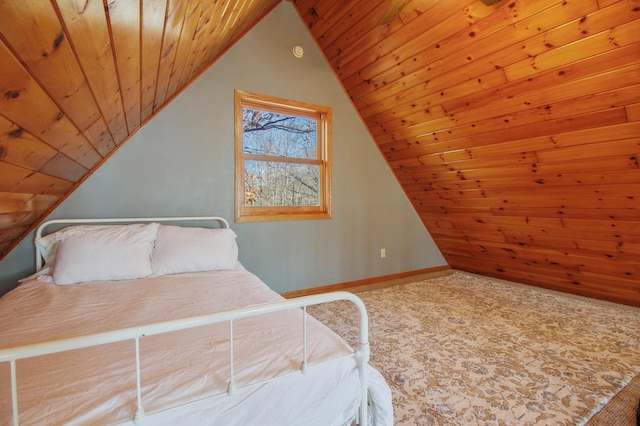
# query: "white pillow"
[[109, 253], [190, 249], [48, 244]]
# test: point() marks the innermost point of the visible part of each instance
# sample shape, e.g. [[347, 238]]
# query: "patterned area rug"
[[463, 349]]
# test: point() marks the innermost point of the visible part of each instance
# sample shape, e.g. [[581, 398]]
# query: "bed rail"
[[362, 353]]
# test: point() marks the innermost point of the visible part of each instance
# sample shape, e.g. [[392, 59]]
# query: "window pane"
[[270, 184], [283, 159], [279, 135]]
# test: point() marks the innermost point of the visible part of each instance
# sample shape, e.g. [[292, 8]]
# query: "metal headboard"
[[39, 231]]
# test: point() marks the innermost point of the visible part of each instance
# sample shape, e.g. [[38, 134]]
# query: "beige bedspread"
[[97, 385]]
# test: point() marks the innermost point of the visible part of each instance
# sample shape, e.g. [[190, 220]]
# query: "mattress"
[[97, 385]]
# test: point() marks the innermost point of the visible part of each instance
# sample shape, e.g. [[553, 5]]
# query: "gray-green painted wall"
[[182, 163]]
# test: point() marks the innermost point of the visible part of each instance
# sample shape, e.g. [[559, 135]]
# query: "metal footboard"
[[12, 355]]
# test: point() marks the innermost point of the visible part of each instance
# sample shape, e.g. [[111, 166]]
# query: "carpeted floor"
[[461, 349]]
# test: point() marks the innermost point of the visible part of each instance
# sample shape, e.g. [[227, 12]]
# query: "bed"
[[154, 321]]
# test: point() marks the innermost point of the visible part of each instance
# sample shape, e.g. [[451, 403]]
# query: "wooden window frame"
[[247, 213]]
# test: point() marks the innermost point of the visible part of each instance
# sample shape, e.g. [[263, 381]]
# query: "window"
[[283, 159]]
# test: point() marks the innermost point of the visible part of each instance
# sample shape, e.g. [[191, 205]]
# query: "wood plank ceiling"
[[514, 128], [79, 77]]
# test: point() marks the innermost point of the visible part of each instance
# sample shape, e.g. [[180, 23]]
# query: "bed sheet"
[[57, 389]]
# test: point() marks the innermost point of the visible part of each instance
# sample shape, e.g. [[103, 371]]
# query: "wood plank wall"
[[514, 129], [79, 77]]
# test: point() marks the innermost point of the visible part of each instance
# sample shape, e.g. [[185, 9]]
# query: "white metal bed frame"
[[362, 354]]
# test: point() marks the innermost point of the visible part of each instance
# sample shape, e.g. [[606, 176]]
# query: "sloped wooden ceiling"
[[514, 128], [78, 77]]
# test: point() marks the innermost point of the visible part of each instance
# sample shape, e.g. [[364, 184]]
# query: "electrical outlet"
[[383, 253]]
